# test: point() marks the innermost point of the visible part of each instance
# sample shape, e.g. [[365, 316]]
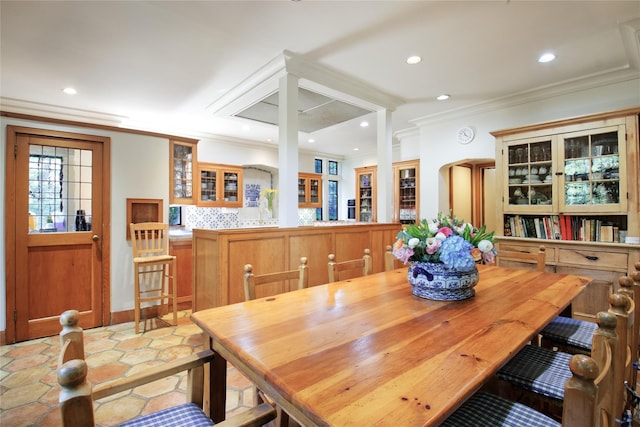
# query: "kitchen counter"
[[219, 256]]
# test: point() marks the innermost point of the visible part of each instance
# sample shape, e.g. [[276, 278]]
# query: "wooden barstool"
[[152, 262]]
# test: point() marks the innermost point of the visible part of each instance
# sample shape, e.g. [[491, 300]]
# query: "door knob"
[[95, 237]]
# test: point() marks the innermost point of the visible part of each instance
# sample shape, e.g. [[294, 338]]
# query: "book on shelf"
[[562, 227]]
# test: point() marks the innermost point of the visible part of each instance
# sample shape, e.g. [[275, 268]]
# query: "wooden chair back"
[[251, 281], [77, 396], [149, 239], [389, 259], [589, 394], [335, 268], [537, 258]]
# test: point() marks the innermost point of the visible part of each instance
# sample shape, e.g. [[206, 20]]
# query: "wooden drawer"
[[549, 252], [594, 259]]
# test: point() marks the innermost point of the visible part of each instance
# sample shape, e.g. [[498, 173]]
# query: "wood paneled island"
[[220, 255]]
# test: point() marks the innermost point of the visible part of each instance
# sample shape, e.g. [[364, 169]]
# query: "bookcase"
[[573, 186]]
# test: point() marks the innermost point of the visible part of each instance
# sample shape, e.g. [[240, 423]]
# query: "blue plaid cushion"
[[538, 369], [566, 330], [186, 415], [487, 410]]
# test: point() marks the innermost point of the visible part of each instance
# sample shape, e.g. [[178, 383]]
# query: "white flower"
[[460, 229], [412, 243], [485, 245], [441, 236], [433, 227]]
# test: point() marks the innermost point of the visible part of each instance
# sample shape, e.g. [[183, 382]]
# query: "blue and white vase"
[[438, 282]]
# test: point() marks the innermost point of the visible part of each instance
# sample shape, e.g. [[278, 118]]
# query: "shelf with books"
[[604, 228]]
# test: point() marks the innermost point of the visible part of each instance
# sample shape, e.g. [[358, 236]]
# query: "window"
[[333, 167], [333, 200], [318, 165], [175, 215], [59, 189]]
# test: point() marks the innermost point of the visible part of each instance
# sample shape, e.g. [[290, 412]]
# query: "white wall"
[[439, 149]]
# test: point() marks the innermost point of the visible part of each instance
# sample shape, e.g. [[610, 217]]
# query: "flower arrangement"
[[447, 240], [269, 194]]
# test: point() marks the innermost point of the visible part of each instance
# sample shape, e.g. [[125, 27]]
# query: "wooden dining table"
[[366, 352]]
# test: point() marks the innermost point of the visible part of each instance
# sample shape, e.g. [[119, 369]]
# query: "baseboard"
[[147, 313], [3, 338]]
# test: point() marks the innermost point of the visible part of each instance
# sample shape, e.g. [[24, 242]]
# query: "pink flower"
[[403, 254], [433, 245], [488, 257], [446, 231]]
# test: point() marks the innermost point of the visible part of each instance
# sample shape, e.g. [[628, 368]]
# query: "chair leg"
[[174, 291], [136, 309]]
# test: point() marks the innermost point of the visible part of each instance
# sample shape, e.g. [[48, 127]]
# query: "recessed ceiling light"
[[442, 97], [364, 124], [356, 149], [547, 57], [412, 60], [311, 140], [69, 91]]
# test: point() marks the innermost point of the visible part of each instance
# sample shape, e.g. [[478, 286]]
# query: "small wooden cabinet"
[[309, 190], [219, 185], [182, 162], [366, 183], [573, 186], [406, 192], [182, 249]]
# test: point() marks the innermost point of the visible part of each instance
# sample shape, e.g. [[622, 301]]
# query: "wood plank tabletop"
[[366, 352]]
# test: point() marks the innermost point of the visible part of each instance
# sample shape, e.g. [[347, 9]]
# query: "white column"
[[385, 178], [288, 152]]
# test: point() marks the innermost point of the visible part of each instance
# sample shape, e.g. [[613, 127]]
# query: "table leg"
[[215, 387]]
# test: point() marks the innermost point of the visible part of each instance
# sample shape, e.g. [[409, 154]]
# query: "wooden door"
[[60, 220]]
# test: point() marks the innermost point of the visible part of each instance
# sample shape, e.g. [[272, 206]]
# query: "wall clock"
[[465, 135]]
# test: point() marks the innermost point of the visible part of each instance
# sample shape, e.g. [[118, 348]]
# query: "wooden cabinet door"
[[182, 250], [182, 180]]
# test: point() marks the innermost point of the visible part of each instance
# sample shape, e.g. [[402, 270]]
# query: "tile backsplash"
[[219, 218]]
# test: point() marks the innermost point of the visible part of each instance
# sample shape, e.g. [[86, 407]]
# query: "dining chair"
[[574, 335], [540, 373], [154, 270], [589, 392], [335, 268], [389, 259], [252, 281], [76, 395]]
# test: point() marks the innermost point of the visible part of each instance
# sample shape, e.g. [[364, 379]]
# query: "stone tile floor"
[[29, 388]]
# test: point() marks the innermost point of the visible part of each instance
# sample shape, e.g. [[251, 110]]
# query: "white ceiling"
[[165, 65]]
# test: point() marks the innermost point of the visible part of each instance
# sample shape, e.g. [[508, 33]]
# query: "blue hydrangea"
[[455, 253]]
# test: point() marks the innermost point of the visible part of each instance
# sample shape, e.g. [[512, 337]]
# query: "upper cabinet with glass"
[[309, 190], [573, 172], [406, 192], [183, 158], [593, 163], [219, 185], [578, 178]]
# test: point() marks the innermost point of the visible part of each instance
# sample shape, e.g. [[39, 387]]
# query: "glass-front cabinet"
[[183, 158], [309, 190], [578, 172], [366, 178], [593, 163], [219, 185], [406, 192]]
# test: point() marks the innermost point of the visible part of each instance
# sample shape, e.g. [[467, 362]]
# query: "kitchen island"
[[219, 256]]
